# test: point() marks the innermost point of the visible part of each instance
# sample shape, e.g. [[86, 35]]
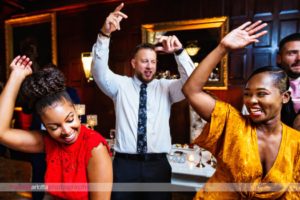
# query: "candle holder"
[[212, 161], [200, 164], [92, 121], [112, 135], [80, 110]]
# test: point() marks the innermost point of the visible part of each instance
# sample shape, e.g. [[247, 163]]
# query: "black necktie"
[[142, 121]]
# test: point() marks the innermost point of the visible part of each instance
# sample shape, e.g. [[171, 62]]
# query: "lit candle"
[[92, 120], [191, 157], [80, 109]]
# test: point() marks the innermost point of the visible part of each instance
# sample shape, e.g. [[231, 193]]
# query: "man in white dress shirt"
[[130, 165]]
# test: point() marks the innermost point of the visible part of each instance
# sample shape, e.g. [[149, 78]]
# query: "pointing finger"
[[119, 7]]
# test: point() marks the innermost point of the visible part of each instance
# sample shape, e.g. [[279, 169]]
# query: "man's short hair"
[[289, 38], [143, 46]]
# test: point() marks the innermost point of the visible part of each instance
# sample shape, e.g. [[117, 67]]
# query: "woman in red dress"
[[78, 161]]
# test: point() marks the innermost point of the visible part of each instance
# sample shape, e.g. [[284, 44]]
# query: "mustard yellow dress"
[[239, 175]]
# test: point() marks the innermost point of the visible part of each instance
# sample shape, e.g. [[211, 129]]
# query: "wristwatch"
[[103, 34], [179, 51]]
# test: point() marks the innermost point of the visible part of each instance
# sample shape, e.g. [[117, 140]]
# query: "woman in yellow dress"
[[258, 155]]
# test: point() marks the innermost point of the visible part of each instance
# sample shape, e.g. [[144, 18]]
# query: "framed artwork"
[[33, 36], [199, 37]]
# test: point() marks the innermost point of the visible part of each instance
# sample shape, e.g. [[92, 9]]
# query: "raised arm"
[[17, 139], [104, 77], [171, 44], [100, 174], [112, 22], [238, 38]]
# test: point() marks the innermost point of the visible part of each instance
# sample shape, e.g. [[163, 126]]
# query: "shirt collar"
[[295, 79], [138, 82]]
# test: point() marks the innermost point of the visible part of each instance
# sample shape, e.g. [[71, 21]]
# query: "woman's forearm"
[[8, 98], [200, 75]]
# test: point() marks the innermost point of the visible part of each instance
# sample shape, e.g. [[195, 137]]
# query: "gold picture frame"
[[204, 34], [34, 36]]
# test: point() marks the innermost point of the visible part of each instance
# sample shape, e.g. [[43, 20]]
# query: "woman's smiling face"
[[61, 121], [263, 98]]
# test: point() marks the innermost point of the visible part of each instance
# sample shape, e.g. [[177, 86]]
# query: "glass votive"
[[112, 136], [191, 157], [92, 120], [80, 109], [112, 133]]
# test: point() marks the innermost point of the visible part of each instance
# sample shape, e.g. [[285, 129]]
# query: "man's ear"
[[132, 63], [286, 96]]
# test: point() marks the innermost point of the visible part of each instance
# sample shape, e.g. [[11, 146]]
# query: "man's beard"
[[141, 78]]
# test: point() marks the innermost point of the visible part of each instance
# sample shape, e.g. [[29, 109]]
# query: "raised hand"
[[170, 44], [21, 65], [112, 22], [244, 35]]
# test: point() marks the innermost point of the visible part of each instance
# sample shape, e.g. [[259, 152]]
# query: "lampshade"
[[86, 58], [192, 50], [192, 47]]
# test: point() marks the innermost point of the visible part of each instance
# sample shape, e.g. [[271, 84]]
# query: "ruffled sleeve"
[[225, 120], [93, 139]]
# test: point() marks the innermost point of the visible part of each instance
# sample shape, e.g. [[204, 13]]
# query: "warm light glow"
[[92, 120], [86, 58], [80, 109], [191, 157], [192, 50], [192, 47]]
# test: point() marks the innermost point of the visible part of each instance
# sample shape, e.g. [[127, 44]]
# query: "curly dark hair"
[[43, 88]]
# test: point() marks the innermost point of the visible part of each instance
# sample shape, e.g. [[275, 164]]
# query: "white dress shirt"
[[124, 91]]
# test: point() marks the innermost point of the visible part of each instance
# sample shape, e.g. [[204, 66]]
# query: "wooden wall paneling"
[[237, 67], [70, 46], [263, 7], [180, 122], [261, 58], [69, 59], [166, 8], [264, 52], [191, 9], [238, 8], [288, 18], [2, 55], [289, 6], [74, 73], [287, 27], [211, 8], [233, 95], [238, 61], [98, 103]]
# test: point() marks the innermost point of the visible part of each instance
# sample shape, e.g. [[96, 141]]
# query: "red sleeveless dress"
[[66, 174]]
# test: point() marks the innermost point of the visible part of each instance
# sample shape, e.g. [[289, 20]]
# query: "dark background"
[[78, 23], [38, 35]]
